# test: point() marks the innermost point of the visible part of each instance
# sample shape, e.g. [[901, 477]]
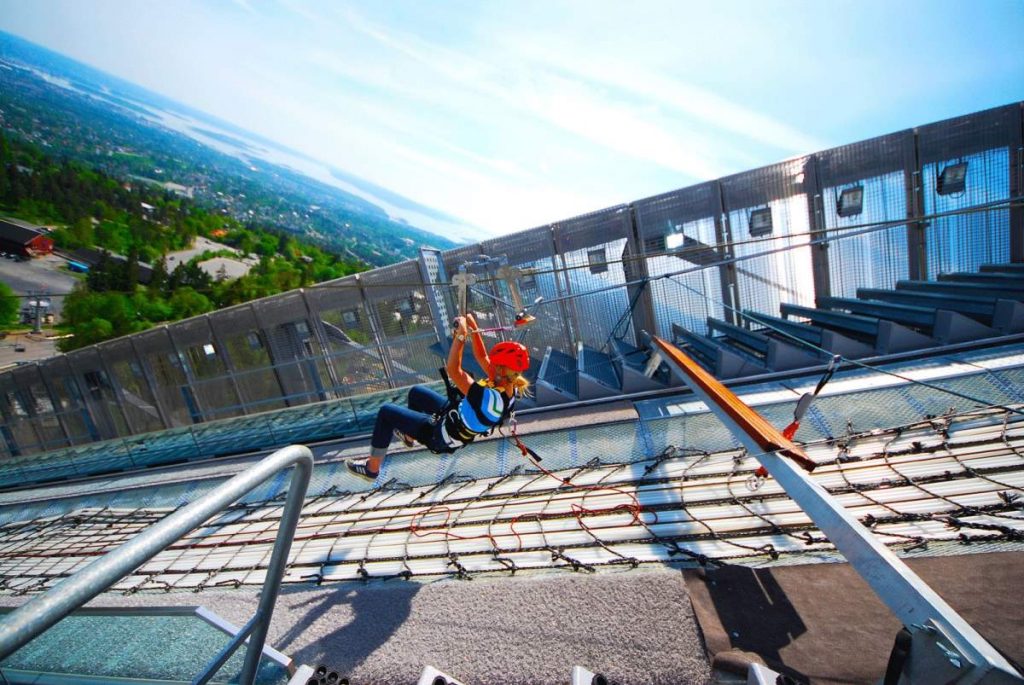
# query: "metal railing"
[[39, 614]]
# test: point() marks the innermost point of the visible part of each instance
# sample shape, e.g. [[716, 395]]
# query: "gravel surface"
[[633, 626]]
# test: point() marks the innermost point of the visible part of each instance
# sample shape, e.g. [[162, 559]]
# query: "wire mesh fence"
[[917, 203]]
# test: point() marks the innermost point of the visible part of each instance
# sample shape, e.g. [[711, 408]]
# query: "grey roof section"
[[18, 231]]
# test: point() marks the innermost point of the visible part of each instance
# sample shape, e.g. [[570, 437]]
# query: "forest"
[[143, 223]]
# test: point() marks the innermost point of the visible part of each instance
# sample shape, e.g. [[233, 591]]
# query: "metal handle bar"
[[39, 614]]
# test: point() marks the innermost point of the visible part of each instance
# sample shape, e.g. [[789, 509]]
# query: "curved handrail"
[[39, 614]]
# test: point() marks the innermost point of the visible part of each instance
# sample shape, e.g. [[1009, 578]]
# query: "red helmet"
[[512, 355]]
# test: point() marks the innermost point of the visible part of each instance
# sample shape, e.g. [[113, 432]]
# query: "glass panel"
[[158, 354], [294, 348], [98, 392], [592, 248], [354, 364], [139, 404], [159, 647], [676, 229], [215, 394], [785, 274], [981, 141], [966, 241], [397, 301], [246, 347]]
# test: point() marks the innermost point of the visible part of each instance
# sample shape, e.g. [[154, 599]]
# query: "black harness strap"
[[454, 396], [898, 657]]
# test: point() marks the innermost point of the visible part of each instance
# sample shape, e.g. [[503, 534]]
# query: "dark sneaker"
[[406, 440], [358, 467]]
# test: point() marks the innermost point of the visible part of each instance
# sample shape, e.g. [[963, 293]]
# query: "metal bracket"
[[462, 282], [511, 274]]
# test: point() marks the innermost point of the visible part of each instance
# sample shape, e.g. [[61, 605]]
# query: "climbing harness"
[[449, 422]]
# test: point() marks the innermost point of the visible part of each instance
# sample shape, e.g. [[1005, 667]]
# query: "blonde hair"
[[504, 375]]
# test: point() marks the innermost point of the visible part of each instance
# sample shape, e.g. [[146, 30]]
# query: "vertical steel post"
[[635, 269], [563, 289], [727, 271], [34, 617], [816, 220], [917, 240], [1017, 189], [437, 295]]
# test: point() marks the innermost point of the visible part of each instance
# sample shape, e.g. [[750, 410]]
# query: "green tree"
[[10, 304], [186, 302]]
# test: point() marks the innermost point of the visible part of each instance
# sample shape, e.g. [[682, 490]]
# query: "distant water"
[[248, 148]]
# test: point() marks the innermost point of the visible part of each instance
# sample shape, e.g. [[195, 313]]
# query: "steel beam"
[[946, 649]]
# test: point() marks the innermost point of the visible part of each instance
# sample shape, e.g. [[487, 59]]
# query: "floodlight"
[[850, 201], [760, 222], [597, 258], [952, 179]]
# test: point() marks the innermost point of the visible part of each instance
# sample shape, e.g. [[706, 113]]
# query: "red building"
[[22, 238]]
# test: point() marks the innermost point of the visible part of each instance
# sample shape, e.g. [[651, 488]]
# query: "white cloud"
[[630, 112]]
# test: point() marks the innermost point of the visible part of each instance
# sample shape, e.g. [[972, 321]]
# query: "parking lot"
[[40, 275]]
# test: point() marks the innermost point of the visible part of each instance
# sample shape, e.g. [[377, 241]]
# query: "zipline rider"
[[473, 407]]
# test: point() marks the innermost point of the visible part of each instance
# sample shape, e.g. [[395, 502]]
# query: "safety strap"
[[455, 398], [898, 657], [454, 395], [805, 401], [526, 451], [803, 404]]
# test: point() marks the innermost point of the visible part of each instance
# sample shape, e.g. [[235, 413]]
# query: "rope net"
[[951, 479]]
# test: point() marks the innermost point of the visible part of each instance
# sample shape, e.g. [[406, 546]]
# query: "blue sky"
[[513, 114]]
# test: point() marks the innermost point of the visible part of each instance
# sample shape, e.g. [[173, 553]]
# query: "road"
[[42, 274]]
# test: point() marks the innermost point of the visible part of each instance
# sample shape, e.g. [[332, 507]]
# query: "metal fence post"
[[1017, 189], [917, 240]]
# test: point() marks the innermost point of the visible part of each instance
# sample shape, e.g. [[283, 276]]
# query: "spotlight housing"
[[597, 259], [760, 222], [952, 179], [850, 202]]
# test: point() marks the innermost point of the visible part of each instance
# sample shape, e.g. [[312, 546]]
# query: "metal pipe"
[[34, 617]]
